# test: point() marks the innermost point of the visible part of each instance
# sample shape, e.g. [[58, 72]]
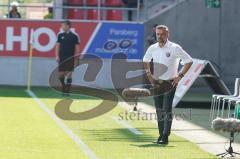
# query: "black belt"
[[162, 86], [159, 81]]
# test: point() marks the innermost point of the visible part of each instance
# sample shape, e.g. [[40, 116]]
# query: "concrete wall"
[[197, 29], [14, 71]]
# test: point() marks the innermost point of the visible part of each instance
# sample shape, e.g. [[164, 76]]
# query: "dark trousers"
[[163, 103]]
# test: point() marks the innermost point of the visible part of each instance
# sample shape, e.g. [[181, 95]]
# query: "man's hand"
[[148, 73], [150, 78], [176, 81], [186, 67]]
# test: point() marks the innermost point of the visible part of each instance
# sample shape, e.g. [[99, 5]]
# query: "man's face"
[[14, 8], [65, 27], [162, 35]]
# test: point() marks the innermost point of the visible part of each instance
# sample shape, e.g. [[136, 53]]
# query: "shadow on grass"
[[117, 135], [124, 135], [152, 145]]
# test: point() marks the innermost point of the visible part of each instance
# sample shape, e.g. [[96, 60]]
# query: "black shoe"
[[163, 141], [63, 91], [135, 109], [158, 140]]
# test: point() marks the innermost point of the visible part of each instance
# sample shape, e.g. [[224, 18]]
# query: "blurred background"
[[206, 29]]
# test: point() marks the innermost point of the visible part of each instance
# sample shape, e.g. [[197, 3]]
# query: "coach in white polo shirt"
[[168, 55]]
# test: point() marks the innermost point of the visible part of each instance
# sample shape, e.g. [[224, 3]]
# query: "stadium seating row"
[[92, 14], [110, 3]]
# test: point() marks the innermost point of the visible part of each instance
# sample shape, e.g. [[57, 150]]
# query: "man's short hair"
[[67, 22], [155, 25], [162, 27]]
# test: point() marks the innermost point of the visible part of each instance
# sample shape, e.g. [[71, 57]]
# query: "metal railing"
[[151, 7], [23, 9]]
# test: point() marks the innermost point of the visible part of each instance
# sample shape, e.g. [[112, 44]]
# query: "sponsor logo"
[[168, 54]]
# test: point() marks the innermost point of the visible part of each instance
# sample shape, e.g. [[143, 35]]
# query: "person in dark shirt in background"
[[67, 55], [14, 13], [131, 4], [152, 38]]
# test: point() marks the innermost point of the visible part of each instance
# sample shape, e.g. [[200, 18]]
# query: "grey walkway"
[[205, 139]]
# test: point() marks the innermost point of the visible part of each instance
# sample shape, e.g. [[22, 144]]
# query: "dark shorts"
[[66, 65]]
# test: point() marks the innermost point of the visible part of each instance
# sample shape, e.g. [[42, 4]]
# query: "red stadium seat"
[[92, 2], [113, 3], [114, 15], [75, 2], [92, 14], [75, 14]]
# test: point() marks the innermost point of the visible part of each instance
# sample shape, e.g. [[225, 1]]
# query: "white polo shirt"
[[169, 55]]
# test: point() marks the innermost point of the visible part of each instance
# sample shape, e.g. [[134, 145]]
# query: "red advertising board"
[[15, 36]]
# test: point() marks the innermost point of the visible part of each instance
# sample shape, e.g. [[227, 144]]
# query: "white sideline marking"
[[69, 132], [127, 125]]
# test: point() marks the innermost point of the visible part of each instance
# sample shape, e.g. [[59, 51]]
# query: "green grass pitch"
[[27, 132]]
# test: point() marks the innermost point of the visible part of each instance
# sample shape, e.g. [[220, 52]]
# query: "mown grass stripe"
[[127, 125], [69, 132]]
